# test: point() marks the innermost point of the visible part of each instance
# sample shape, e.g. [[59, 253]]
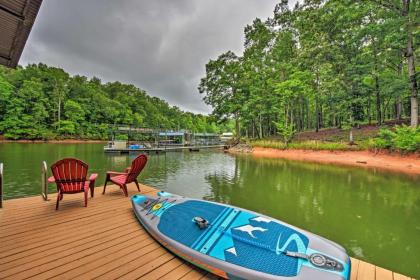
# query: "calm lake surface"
[[374, 215]]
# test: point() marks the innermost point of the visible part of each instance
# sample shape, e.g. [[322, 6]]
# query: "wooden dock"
[[102, 241], [162, 149]]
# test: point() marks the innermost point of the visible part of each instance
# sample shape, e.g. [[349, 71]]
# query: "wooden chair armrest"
[[93, 177], [112, 173], [51, 179]]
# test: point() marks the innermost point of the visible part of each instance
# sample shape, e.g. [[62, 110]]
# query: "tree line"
[[324, 63], [42, 102]]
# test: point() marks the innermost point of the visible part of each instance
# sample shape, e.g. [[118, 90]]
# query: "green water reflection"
[[374, 215]]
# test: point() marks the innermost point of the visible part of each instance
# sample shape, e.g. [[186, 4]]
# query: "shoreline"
[[64, 141], [409, 164]]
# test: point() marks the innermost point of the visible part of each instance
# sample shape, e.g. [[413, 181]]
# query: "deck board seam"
[[64, 204], [63, 221], [44, 271], [151, 244], [105, 273], [35, 237], [158, 267], [81, 265], [147, 245], [40, 247], [47, 261], [63, 224]]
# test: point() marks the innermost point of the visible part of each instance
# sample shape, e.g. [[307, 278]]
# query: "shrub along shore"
[[399, 139], [61, 141], [408, 164], [394, 149]]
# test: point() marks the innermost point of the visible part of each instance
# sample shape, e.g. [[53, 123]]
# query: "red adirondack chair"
[[70, 174], [129, 176]]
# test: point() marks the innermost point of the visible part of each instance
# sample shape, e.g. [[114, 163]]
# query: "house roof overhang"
[[16, 20]]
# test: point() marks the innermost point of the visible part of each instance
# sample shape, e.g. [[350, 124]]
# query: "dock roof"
[[16, 20], [172, 133], [206, 134]]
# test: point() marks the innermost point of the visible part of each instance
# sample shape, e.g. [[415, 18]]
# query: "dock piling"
[[44, 182]]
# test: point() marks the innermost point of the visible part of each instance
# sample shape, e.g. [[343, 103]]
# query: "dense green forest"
[[41, 102], [336, 63]]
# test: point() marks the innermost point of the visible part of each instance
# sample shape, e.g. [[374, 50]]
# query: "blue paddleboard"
[[235, 243]]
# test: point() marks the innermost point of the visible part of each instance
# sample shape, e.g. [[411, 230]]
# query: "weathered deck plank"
[[177, 273], [354, 268], [366, 271], [382, 273], [398, 276], [102, 241]]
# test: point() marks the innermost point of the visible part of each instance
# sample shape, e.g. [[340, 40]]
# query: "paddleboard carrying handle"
[[318, 260], [297, 255], [201, 222], [325, 262]]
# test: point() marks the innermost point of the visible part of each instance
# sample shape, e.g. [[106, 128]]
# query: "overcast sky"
[[160, 46]]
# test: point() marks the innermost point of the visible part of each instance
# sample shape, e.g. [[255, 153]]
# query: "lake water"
[[374, 215]]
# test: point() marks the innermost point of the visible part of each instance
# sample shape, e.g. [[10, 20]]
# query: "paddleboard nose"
[[137, 199], [164, 194]]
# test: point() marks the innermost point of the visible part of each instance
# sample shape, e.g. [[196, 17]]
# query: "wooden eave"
[[16, 20]]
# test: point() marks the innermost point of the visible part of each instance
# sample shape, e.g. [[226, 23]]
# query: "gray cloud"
[[161, 46]]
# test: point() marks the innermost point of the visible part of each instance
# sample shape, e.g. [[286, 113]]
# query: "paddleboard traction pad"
[[241, 243]]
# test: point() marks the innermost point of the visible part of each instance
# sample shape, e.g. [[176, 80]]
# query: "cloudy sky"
[[160, 46]]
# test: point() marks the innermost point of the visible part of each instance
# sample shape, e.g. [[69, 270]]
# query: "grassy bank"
[[310, 145], [399, 139]]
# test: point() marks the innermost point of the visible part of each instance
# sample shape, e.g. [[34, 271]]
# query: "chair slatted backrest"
[[136, 167], [70, 174]]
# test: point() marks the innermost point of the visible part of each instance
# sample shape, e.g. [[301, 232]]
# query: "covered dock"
[[206, 139], [174, 138]]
